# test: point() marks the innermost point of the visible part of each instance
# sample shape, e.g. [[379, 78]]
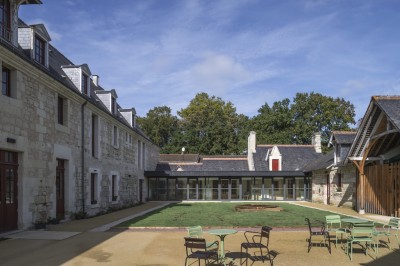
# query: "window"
[[114, 187], [60, 111], [6, 82], [139, 154], [143, 155], [115, 136], [95, 136], [93, 189], [339, 184], [275, 164], [5, 19], [113, 105], [85, 84], [40, 49]]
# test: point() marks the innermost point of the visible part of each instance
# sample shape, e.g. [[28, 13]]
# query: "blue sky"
[[164, 52]]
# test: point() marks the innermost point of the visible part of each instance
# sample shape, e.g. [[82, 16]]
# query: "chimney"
[[316, 141], [251, 142], [251, 149], [95, 79]]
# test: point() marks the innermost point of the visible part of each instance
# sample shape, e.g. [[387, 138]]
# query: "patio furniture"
[[196, 249], [360, 232], [222, 233], [334, 225], [197, 231], [386, 230], [318, 230], [259, 241]]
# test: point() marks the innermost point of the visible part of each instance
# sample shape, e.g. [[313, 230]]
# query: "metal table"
[[222, 233]]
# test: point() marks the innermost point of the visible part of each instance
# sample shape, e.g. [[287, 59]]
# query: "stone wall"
[[31, 119], [344, 196]]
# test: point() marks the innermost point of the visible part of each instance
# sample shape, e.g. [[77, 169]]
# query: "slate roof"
[[344, 137], [391, 106], [171, 162], [324, 162], [56, 60], [294, 157]]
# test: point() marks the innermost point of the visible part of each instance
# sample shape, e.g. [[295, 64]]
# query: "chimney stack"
[[95, 79], [251, 142], [316, 141]]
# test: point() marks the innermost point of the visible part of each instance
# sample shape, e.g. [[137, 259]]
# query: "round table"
[[222, 233]]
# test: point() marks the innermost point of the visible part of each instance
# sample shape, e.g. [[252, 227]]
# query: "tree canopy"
[[209, 125]]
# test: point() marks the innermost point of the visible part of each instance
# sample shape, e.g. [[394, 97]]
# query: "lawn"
[[224, 214]]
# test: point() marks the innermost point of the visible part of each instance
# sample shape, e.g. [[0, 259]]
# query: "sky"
[[248, 52]]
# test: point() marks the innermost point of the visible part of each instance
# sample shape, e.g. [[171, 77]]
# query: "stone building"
[[334, 179], [66, 146]]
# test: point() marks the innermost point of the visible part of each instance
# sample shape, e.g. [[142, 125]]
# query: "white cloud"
[[219, 73]]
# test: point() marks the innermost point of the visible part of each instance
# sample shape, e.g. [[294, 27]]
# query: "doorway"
[[8, 190], [60, 189]]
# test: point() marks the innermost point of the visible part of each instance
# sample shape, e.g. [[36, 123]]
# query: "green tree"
[[209, 126], [161, 127], [274, 124], [313, 112]]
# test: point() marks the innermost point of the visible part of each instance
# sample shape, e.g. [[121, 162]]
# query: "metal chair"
[[196, 249], [197, 231], [334, 225], [319, 232], [393, 227], [360, 233], [257, 240]]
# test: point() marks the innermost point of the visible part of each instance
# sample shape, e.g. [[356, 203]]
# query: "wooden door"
[[8, 191], [60, 189]]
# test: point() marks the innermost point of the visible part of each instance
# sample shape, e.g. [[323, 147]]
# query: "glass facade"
[[227, 188]]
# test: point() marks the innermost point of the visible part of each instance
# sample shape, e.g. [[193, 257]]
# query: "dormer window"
[[85, 84], [5, 19], [40, 50], [274, 158], [113, 105]]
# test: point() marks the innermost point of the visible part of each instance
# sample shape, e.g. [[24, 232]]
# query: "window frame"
[[115, 136], [85, 84], [60, 110], [39, 50], [94, 198], [5, 23], [6, 84]]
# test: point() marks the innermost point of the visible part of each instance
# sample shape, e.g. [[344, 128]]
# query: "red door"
[[8, 191], [60, 192]]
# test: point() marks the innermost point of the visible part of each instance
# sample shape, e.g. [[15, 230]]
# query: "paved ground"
[[92, 242]]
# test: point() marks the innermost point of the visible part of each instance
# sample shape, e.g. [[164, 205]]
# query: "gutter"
[[83, 155]]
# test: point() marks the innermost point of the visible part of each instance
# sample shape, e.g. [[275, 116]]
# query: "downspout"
[[83, 155]]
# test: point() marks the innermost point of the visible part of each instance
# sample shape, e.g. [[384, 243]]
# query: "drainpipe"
[[83, 155]]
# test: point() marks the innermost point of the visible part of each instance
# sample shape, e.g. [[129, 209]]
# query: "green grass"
[[224, 214]]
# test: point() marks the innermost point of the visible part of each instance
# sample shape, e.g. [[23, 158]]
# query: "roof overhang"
[[28, 2], [224, 174]]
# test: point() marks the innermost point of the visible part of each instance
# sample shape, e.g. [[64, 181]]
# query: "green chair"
[[334, 225], [393, 227], [197, 231], [361, 232]]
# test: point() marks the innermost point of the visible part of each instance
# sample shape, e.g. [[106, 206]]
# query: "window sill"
[[62, 128]]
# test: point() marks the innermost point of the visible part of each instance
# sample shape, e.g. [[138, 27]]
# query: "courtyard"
[[98, 241]]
